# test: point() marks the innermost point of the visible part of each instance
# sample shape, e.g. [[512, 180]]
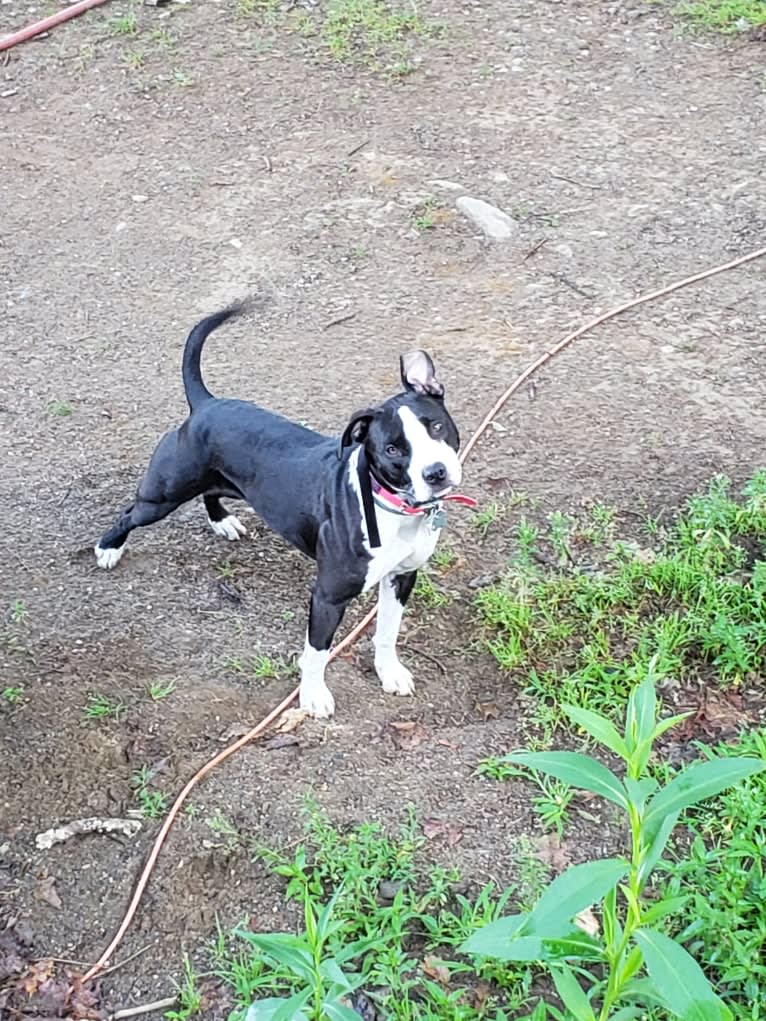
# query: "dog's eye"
[[392, 450], [436, 427]]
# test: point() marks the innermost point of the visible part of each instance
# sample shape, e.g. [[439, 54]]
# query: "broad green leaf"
[[577, 770], [672, 721], [285, 949], [653, 852], [679, 979], [599, 727], [610, 921], [571, 943], [572, 892], [661, 909], [642, 712], [697, 782], [279, 1008], [571, 994], [627, 1014], [631, 964], [494, 937], [578, 945], [335, 1011], [639, 790], [330, 970]]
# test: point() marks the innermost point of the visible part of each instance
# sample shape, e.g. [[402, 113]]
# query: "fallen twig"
[[145, 1008], [128, 827]]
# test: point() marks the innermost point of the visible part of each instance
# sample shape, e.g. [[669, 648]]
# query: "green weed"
[[631, 966], [585, 633], [123, 24], [60, 409], [721, 875], [425, 217], [157, 690], [189, 996], [725, 15], [483, 519], [100, 708], [13, 694], [427, 593], [153, 803], [371, 919]]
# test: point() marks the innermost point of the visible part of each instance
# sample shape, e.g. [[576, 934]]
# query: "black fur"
[[295, 479]]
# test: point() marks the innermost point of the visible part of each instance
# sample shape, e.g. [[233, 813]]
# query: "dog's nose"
[[435, 474]]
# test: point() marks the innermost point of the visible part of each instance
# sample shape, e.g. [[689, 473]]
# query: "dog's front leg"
[[394, 592], [325, 615]]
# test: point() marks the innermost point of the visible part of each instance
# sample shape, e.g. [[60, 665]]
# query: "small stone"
[[489, 219], [140, 198], [389, 888], [235, 243]]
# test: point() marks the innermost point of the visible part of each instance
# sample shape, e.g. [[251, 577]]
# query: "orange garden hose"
[[103, 960], [42, 26]]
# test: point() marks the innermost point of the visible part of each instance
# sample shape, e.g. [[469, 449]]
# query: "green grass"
[[100, 708], [584, 631], [427, 593], [725, 15], [394, 932], [60, 409], [376, 34], [722, 873]]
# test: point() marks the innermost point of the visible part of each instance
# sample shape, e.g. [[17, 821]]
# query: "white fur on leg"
[[394, 676], [230, 527], [315, 697], [108, 558]]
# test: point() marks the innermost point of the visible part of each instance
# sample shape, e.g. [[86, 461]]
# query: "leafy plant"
[[323, 986], [721, 873], [99, 707], [612, 965], [12, 694], [697, 600]]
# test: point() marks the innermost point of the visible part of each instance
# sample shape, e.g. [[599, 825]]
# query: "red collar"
[[393, 502]]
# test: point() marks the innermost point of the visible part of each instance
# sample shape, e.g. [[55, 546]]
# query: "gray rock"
[[492, 221]]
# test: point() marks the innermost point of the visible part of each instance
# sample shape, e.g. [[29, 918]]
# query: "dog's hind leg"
[[221, 520], [394, 592], [170, 480]]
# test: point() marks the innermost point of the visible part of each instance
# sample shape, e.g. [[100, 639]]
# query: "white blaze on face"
[[426, 450]]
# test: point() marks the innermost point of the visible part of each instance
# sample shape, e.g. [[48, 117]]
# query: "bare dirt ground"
[[140, 194]]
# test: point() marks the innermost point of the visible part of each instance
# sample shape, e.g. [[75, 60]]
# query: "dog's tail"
[[196, 391]]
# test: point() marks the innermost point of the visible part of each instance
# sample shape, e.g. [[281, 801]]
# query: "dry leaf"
[[552, 852], [436, 969], [407, 734], [588, 922], [37, 973], [480, 995], [452, 745], [290, 720], [488, 710], [281, 741], [46, 890], [436, 828]]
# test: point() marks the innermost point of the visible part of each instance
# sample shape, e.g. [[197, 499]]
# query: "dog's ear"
[[419, 374], [356, 430]]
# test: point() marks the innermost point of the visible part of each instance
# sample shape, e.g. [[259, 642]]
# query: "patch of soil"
[[140, 195]]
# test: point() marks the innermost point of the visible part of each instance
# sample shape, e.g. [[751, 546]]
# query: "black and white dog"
[[366, 507]]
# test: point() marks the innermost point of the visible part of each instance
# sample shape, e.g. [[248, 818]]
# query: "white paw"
[[395, 677], [316, 700], [108, 558], [230, 528]]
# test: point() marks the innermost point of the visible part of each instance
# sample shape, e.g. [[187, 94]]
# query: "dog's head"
[[410, 440]]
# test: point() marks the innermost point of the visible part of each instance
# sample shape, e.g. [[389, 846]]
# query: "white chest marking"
[[406, 541]]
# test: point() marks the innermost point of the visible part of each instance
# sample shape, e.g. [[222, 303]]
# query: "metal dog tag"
[[438, 518]]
